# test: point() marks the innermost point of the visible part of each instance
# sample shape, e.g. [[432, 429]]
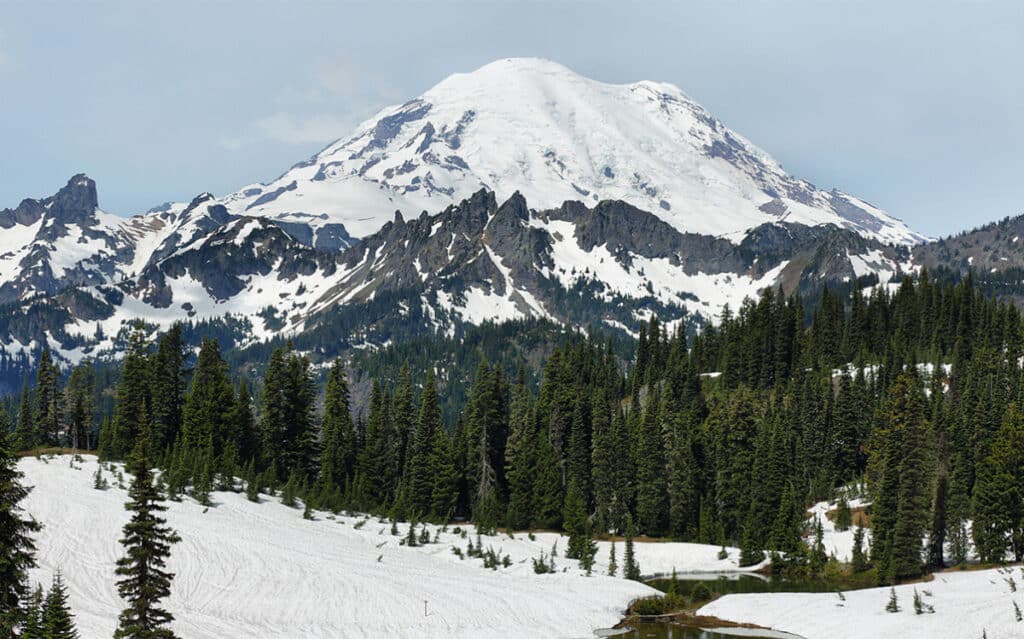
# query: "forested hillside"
[[907, 399]]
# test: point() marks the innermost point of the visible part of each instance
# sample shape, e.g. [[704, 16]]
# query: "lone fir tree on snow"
[[147, 541]]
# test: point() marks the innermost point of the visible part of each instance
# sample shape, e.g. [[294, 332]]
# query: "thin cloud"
[[293, 129]]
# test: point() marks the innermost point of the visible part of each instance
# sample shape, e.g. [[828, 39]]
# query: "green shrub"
[[701, 593]]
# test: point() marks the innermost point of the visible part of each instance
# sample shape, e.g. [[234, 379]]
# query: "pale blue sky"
[[915, 106]]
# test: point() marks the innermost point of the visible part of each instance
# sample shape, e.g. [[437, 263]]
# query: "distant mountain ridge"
[[85, 275], [302, 257]]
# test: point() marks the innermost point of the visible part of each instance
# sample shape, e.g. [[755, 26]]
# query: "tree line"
[[725, 436]]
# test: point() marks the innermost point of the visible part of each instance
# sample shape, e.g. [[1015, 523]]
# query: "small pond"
[[738, 583], [673, 631]]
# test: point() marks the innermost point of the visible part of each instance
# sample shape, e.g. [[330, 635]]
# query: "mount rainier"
[[518, 190]]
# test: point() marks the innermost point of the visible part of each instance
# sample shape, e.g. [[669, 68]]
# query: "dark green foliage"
[[575, 523], [133, 398], [893, 605], [651, 488], [339, 444], [207, 426], [167, 381], [147, 542], [999, 494], [287, 425], [920, 607], [47, 416], [25, 433], [630, 569], [858, 559], [57, 619], [421, 471], [751, 552], [17, 548], [937, 534], [547, 487], [724, 437], [844, 518], [902, 498], [32, 623], [700, 593], [80, 407], [519, 453]]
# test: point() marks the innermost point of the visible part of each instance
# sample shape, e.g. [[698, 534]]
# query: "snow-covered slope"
[[261, 570], [968, 605], [534, 126]]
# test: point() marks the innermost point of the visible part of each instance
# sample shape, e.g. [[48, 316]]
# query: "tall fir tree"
[[519, 457], [25, 432], [420, 471], [651, 488], [339, 442], [47, 416], [206, 416], [133, 393], [167, 379], [144, 581], [58, 621], [999, 494], [17, 547]]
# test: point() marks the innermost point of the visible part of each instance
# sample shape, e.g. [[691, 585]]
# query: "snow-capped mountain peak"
[[535, 126]]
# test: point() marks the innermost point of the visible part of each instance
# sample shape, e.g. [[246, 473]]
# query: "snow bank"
[[967, 604], [261, 570]]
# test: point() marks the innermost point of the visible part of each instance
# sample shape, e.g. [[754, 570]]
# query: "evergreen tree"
[[47, 416], [787, 529], [147, 541], [207, 412], [844, 518], [937, 534], [651, 488], [25, 433], [631, 569], [999, 494], [339, 444], [57, 618], [17, 548], [574, 521], [901, 504], [519, 458], [858, 558], [378, 457], [133, 394], [751, 552], [421, 471], [444, 493], [907, 413], [547, 487], [167, 378], [80, 407], [288, 436], [243, 424], [735, 426], [32, 626]]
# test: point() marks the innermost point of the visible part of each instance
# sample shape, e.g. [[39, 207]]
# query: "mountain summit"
[[536, 127]]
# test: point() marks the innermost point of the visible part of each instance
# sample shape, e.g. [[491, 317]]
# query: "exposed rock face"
[[82, 275]]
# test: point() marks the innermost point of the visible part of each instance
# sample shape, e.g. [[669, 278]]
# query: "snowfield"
[[967, 605], [261, 570]]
